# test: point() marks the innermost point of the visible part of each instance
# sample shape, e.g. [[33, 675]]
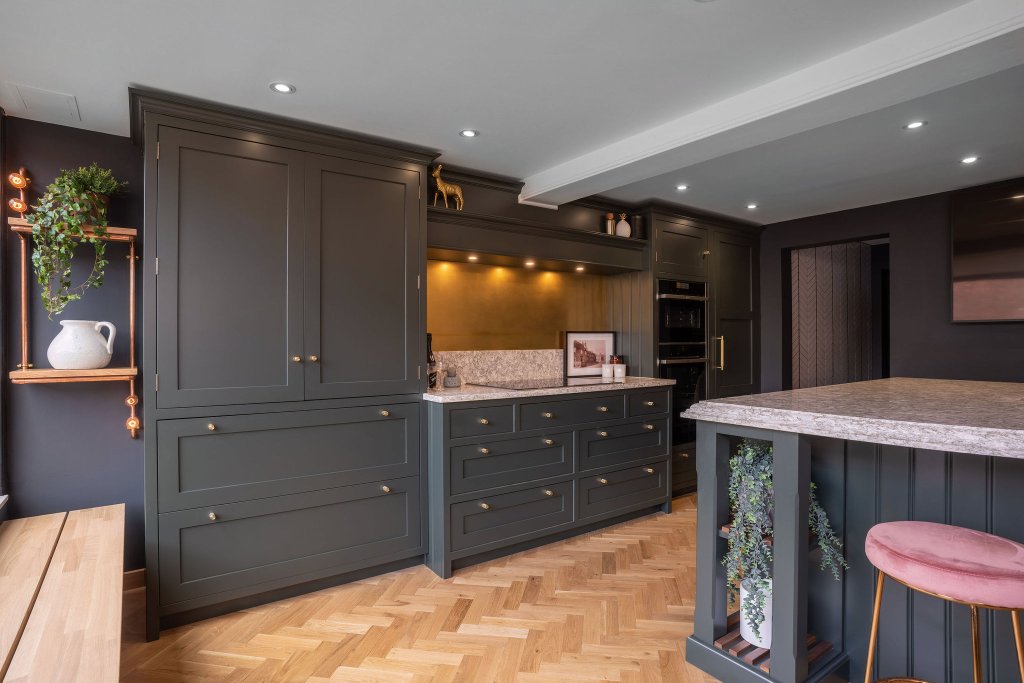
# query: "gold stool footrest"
[[901, 680]]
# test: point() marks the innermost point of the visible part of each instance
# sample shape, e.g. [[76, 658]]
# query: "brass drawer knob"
[[649, 404], [385, 413], [549, 442], [602, 433], [685, 456], [296, 359], [602, 409], [547, 415], [485, 451], [314, 359], [707, 252], [385, 488], [649, 470], [649, 428], [548, 492], [484, 421], [485, 506], [211, 427], [602, 480], [212, 516]]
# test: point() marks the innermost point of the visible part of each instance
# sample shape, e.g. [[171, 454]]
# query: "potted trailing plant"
[[74, 200], [748, 561]]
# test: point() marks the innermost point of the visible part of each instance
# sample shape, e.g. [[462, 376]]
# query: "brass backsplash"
[[474, 307]]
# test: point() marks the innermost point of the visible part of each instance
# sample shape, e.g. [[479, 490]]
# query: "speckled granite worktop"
[[985, 418], [472, 392]]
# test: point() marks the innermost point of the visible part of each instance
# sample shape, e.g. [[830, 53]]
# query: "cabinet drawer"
[[277, 541], [622, 490], [620, 444], [650, 402], [511, 517], [245, 457], [549, 414], [684, 471], [500, 463], [480, 421]]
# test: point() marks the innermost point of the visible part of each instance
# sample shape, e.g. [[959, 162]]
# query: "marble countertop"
[[473, 392], [985, 418]]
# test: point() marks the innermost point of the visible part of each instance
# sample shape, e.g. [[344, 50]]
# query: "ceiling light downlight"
[[580, 269], [968, 160], [914, 125], [282, 88], [530, 264], [682, 187], [473, 257], [752, 206], [469, 133]]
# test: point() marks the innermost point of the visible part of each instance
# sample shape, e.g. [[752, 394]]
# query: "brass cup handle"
[[485, 451], [212, 427], [649, 470], [548, 492], [602, 480], [314, 358], [602, 409], [649, 404], [296, 359], [649, 428], [385, 413], [721, 353], [547, 415], [485, 506], [212, 516], [385, 489], [602, 433], [484, 421], [549, 442]]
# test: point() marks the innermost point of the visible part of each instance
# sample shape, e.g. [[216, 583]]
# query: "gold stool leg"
[[1015, 618], [976, 643], [874, 627]]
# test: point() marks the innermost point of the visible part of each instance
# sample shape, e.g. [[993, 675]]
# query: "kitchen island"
[[934, 450], [514, 468]]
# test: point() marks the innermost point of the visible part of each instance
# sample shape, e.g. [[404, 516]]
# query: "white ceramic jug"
[[80, 346]]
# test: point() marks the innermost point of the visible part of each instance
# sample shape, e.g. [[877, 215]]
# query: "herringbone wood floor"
[[614, 605]]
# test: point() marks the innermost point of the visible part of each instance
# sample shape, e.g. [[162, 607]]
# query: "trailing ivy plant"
[[752, 502], [74, 200]]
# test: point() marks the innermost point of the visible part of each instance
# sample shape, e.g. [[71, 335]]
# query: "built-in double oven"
[[682, 309]]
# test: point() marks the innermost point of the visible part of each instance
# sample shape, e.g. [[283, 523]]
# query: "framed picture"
[[585, 352]]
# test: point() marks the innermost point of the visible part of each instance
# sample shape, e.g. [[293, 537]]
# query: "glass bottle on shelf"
[[431, 362]]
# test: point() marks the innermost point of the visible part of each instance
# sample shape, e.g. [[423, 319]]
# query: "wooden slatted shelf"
[[733, 643], [50, 376]]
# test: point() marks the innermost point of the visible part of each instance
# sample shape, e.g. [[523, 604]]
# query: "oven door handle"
[[682, 297], [681, 361]]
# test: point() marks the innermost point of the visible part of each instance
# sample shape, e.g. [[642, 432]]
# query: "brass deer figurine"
[[445, 189]]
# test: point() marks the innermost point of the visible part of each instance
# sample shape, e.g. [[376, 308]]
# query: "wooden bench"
[[60, 596]]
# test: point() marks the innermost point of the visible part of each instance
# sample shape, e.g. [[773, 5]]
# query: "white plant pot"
[[81, 346], [746, 630]]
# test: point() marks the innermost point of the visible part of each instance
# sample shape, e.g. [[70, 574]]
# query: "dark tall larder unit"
[[283, 327]]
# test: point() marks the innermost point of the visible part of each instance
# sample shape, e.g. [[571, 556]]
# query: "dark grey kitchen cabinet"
[[733, 352], [492, 492], [680, 248], [229, 232], [362, 332]]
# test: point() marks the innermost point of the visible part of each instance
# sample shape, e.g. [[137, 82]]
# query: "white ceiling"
[[576, 97]]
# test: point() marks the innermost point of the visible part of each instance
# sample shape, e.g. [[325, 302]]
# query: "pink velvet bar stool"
[[956, 564]]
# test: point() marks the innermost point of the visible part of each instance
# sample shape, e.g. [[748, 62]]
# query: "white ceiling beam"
[[974, 40]]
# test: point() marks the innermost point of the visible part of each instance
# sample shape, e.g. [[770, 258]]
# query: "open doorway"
[[839, 308]]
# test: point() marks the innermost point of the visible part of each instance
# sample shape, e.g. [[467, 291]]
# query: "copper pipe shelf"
[[733, 643], [27, 374]]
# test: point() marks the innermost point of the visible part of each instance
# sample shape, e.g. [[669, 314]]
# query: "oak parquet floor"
[[613, 605]]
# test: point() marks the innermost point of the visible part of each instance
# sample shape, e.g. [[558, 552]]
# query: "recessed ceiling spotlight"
[[530, 264], [968, 160], [914, 125], [580, 269], [282, 88], [682, 188], [473, 257], [469, 133], [751, 206]]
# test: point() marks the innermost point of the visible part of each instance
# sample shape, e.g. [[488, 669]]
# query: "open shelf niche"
[[28, 374]]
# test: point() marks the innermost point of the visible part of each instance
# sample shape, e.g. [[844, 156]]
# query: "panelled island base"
[[509, 470], [932, 450]]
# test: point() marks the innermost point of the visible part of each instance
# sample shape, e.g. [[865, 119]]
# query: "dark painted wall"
[[923, 341], [66, 444]]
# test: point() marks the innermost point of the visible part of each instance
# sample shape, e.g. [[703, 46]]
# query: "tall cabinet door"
[[229, 276], [734, 352], [362, 300]]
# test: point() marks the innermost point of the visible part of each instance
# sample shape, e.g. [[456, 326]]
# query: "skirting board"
[[136, 578]]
